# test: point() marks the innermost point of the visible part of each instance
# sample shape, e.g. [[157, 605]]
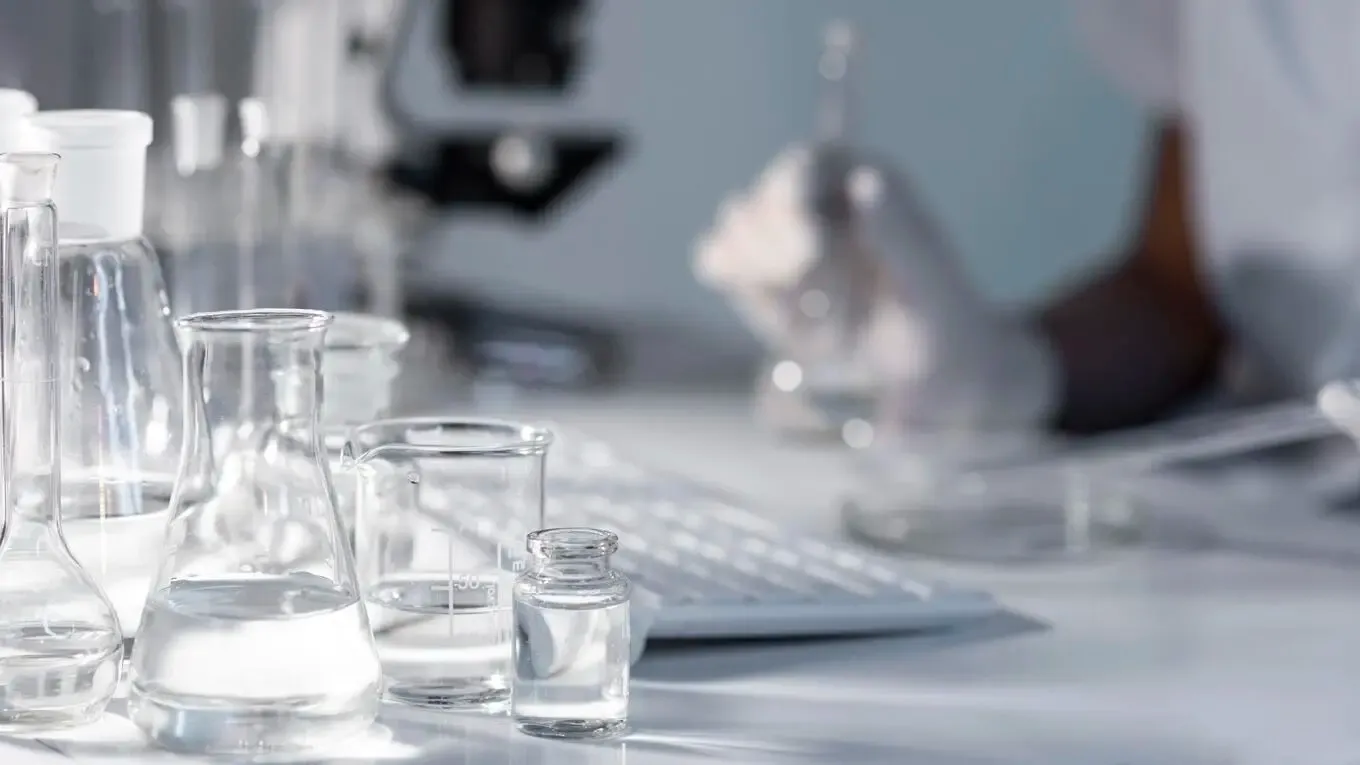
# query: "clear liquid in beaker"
[[572, 666], [443, 641], [262, 663]]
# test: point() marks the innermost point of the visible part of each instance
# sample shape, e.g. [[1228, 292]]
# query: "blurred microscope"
[[499, 101], [459, 162]]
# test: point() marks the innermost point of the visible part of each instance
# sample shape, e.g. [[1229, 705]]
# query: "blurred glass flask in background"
[[60, 644], [254, 638], [123, 398], [198, 211]]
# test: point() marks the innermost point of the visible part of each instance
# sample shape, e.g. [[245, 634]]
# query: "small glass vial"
[[571, 649]]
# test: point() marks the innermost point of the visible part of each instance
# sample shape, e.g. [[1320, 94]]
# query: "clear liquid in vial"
[[56, 674], [254, 664], [443, 641], [571, 670]]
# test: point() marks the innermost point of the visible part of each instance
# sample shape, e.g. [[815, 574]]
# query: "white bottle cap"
[[101, 186], [199, 128], [16, 134], [16, 103]]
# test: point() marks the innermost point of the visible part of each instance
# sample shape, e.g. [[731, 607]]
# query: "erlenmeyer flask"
[[254, 638], [124, 401], [60, 646]]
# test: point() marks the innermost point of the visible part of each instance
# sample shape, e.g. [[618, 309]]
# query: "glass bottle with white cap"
[[123, 402]]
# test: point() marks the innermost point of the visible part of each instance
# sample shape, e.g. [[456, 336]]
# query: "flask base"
[[188, 726], [555, 727], [490, 695], [20, 722], [55, 692]]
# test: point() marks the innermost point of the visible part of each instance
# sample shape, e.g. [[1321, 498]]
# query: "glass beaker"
[[572, 649], [60, 644], [443, 509], [122, 397], [254, 638], [359, 365]]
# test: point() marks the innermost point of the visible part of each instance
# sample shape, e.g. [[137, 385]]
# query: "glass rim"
[[255, 319], [352, 331], [572, 540], [519, 439]]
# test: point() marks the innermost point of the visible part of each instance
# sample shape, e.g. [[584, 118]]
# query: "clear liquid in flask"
[[253, 664], [56, 674]]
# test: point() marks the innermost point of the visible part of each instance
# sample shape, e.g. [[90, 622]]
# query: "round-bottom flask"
[[60, 645], [254, 639], [572, 647]]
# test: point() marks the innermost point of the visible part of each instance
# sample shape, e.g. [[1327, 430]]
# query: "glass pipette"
[[838, 49]]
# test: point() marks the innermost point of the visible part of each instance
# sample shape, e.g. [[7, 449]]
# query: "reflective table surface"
[[1214, 657]]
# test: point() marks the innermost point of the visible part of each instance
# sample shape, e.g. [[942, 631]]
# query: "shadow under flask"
[[571, 649], [254, 639], [60, 644]]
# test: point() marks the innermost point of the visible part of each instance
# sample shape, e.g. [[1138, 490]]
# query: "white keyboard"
[[721, 571]]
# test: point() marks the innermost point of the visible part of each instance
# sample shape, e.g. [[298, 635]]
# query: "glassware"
[[197, 211], [1013, 498], [811, 386], [60, 645], [572, 647], [123, 399], [443, 507], [360, 366], [254, 638]]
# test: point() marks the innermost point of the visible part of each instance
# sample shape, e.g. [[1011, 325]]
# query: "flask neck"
[[29, 419], [262, 371]]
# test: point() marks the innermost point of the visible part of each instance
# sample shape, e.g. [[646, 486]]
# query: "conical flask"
[[120, 362], [60, 646], [254, 638]]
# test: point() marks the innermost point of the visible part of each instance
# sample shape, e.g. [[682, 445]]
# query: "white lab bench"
[[1204, 659], [1208, 657]]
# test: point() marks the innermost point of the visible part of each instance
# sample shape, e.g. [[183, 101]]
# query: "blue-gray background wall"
[[1028, 155], [1031, 158]]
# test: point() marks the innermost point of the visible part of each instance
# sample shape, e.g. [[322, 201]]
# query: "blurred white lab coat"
[[1270, 92]]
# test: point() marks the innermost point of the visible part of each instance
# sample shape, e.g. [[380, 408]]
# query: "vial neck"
[[570, 568]]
